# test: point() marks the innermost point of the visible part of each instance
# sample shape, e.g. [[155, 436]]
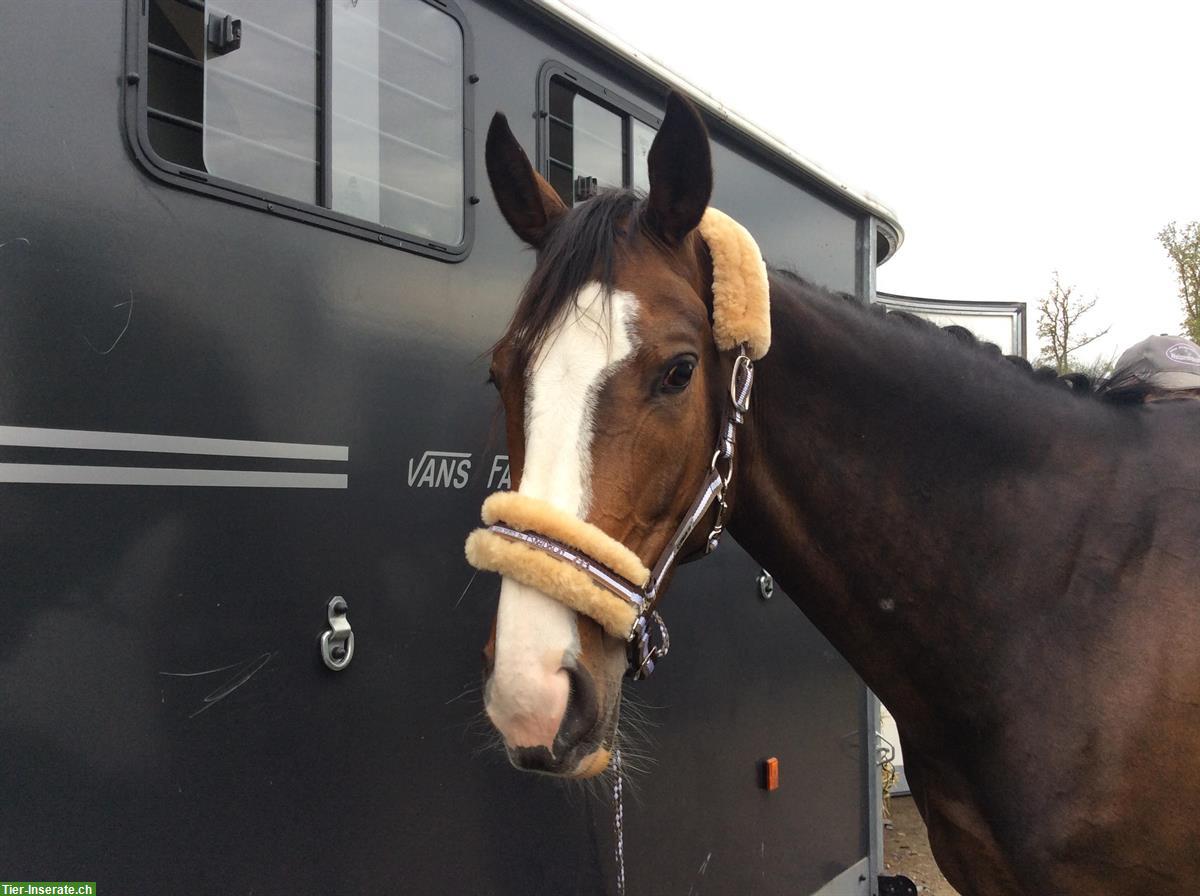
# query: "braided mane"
[[1077, 383]]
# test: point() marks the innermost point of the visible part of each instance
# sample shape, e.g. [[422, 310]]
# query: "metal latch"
[[337, 644], [766, 585], [586, 187], [224, 34]]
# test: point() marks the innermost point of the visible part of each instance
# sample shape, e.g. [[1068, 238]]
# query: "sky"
[[1012, 140]]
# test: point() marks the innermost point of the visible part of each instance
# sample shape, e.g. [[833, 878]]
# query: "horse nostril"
[[533, 759], [583, 707]]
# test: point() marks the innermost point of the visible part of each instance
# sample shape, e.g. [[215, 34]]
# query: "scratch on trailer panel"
[[124, 329], [470, 582], [205, 672], [246, 670], [700, 873]]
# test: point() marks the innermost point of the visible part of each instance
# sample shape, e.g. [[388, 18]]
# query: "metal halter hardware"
[[648, 640]]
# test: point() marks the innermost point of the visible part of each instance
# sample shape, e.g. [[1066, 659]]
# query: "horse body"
[[1011, 567]]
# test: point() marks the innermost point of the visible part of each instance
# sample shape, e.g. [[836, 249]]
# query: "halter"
[[583, 567]]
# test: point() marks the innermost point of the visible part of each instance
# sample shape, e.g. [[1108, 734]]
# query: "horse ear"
[[528, 203], [680, 167]]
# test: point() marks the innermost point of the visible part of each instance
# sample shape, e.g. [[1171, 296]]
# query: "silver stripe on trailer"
[[34, 437], [67, 474]]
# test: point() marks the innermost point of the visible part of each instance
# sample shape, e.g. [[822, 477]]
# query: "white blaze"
[[564, 384], [528, 691]]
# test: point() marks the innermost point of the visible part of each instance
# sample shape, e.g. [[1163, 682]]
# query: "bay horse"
[[1010, 566]]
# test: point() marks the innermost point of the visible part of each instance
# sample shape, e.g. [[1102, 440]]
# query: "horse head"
[[615, 390]]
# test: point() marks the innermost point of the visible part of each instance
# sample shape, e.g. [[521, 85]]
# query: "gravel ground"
[[906, 850]]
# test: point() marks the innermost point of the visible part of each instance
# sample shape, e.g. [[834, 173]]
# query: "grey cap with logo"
[[1164, 363]]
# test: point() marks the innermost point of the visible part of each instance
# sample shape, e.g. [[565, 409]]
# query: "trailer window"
[[352, 109], [398, 116], [642, 137], [591, 139], [587, 147], [262, 99]]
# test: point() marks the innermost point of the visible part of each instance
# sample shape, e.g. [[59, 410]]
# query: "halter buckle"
[[741, 382], [722, 454]]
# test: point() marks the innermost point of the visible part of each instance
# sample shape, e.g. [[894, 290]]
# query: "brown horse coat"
[[1015, 570]]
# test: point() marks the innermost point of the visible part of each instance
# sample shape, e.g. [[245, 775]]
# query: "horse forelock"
[[583, 247]]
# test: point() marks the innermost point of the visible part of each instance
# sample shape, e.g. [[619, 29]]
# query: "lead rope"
[[619, 823]]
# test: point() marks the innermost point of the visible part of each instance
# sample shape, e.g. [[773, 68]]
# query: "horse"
[[1010, 565]]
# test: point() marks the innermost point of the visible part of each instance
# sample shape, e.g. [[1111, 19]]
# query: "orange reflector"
[[770, 774]]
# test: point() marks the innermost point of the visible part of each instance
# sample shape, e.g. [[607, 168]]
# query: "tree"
[[1101, 367], [1058, 317], [1184, 248]]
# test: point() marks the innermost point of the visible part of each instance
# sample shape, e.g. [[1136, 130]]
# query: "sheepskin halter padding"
[[741, 297], [742, 321], [554, 575]]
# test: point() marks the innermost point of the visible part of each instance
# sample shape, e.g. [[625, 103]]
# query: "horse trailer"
[[249, 274]]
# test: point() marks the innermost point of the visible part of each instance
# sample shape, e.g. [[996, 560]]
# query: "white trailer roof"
[[577, 21]]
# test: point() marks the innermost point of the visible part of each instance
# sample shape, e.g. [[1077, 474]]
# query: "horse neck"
[[895, 482]]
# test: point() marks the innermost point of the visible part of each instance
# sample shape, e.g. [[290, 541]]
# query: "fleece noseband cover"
[[741, 317], [550, 574]]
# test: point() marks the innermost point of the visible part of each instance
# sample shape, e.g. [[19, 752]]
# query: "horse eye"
[[678, 376], [491, 380]]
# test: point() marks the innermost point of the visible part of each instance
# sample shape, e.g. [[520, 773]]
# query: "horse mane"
[[1077, 383], [581, 247], [585, 244]]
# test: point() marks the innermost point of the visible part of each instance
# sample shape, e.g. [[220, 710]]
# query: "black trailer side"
[[223, 402]]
